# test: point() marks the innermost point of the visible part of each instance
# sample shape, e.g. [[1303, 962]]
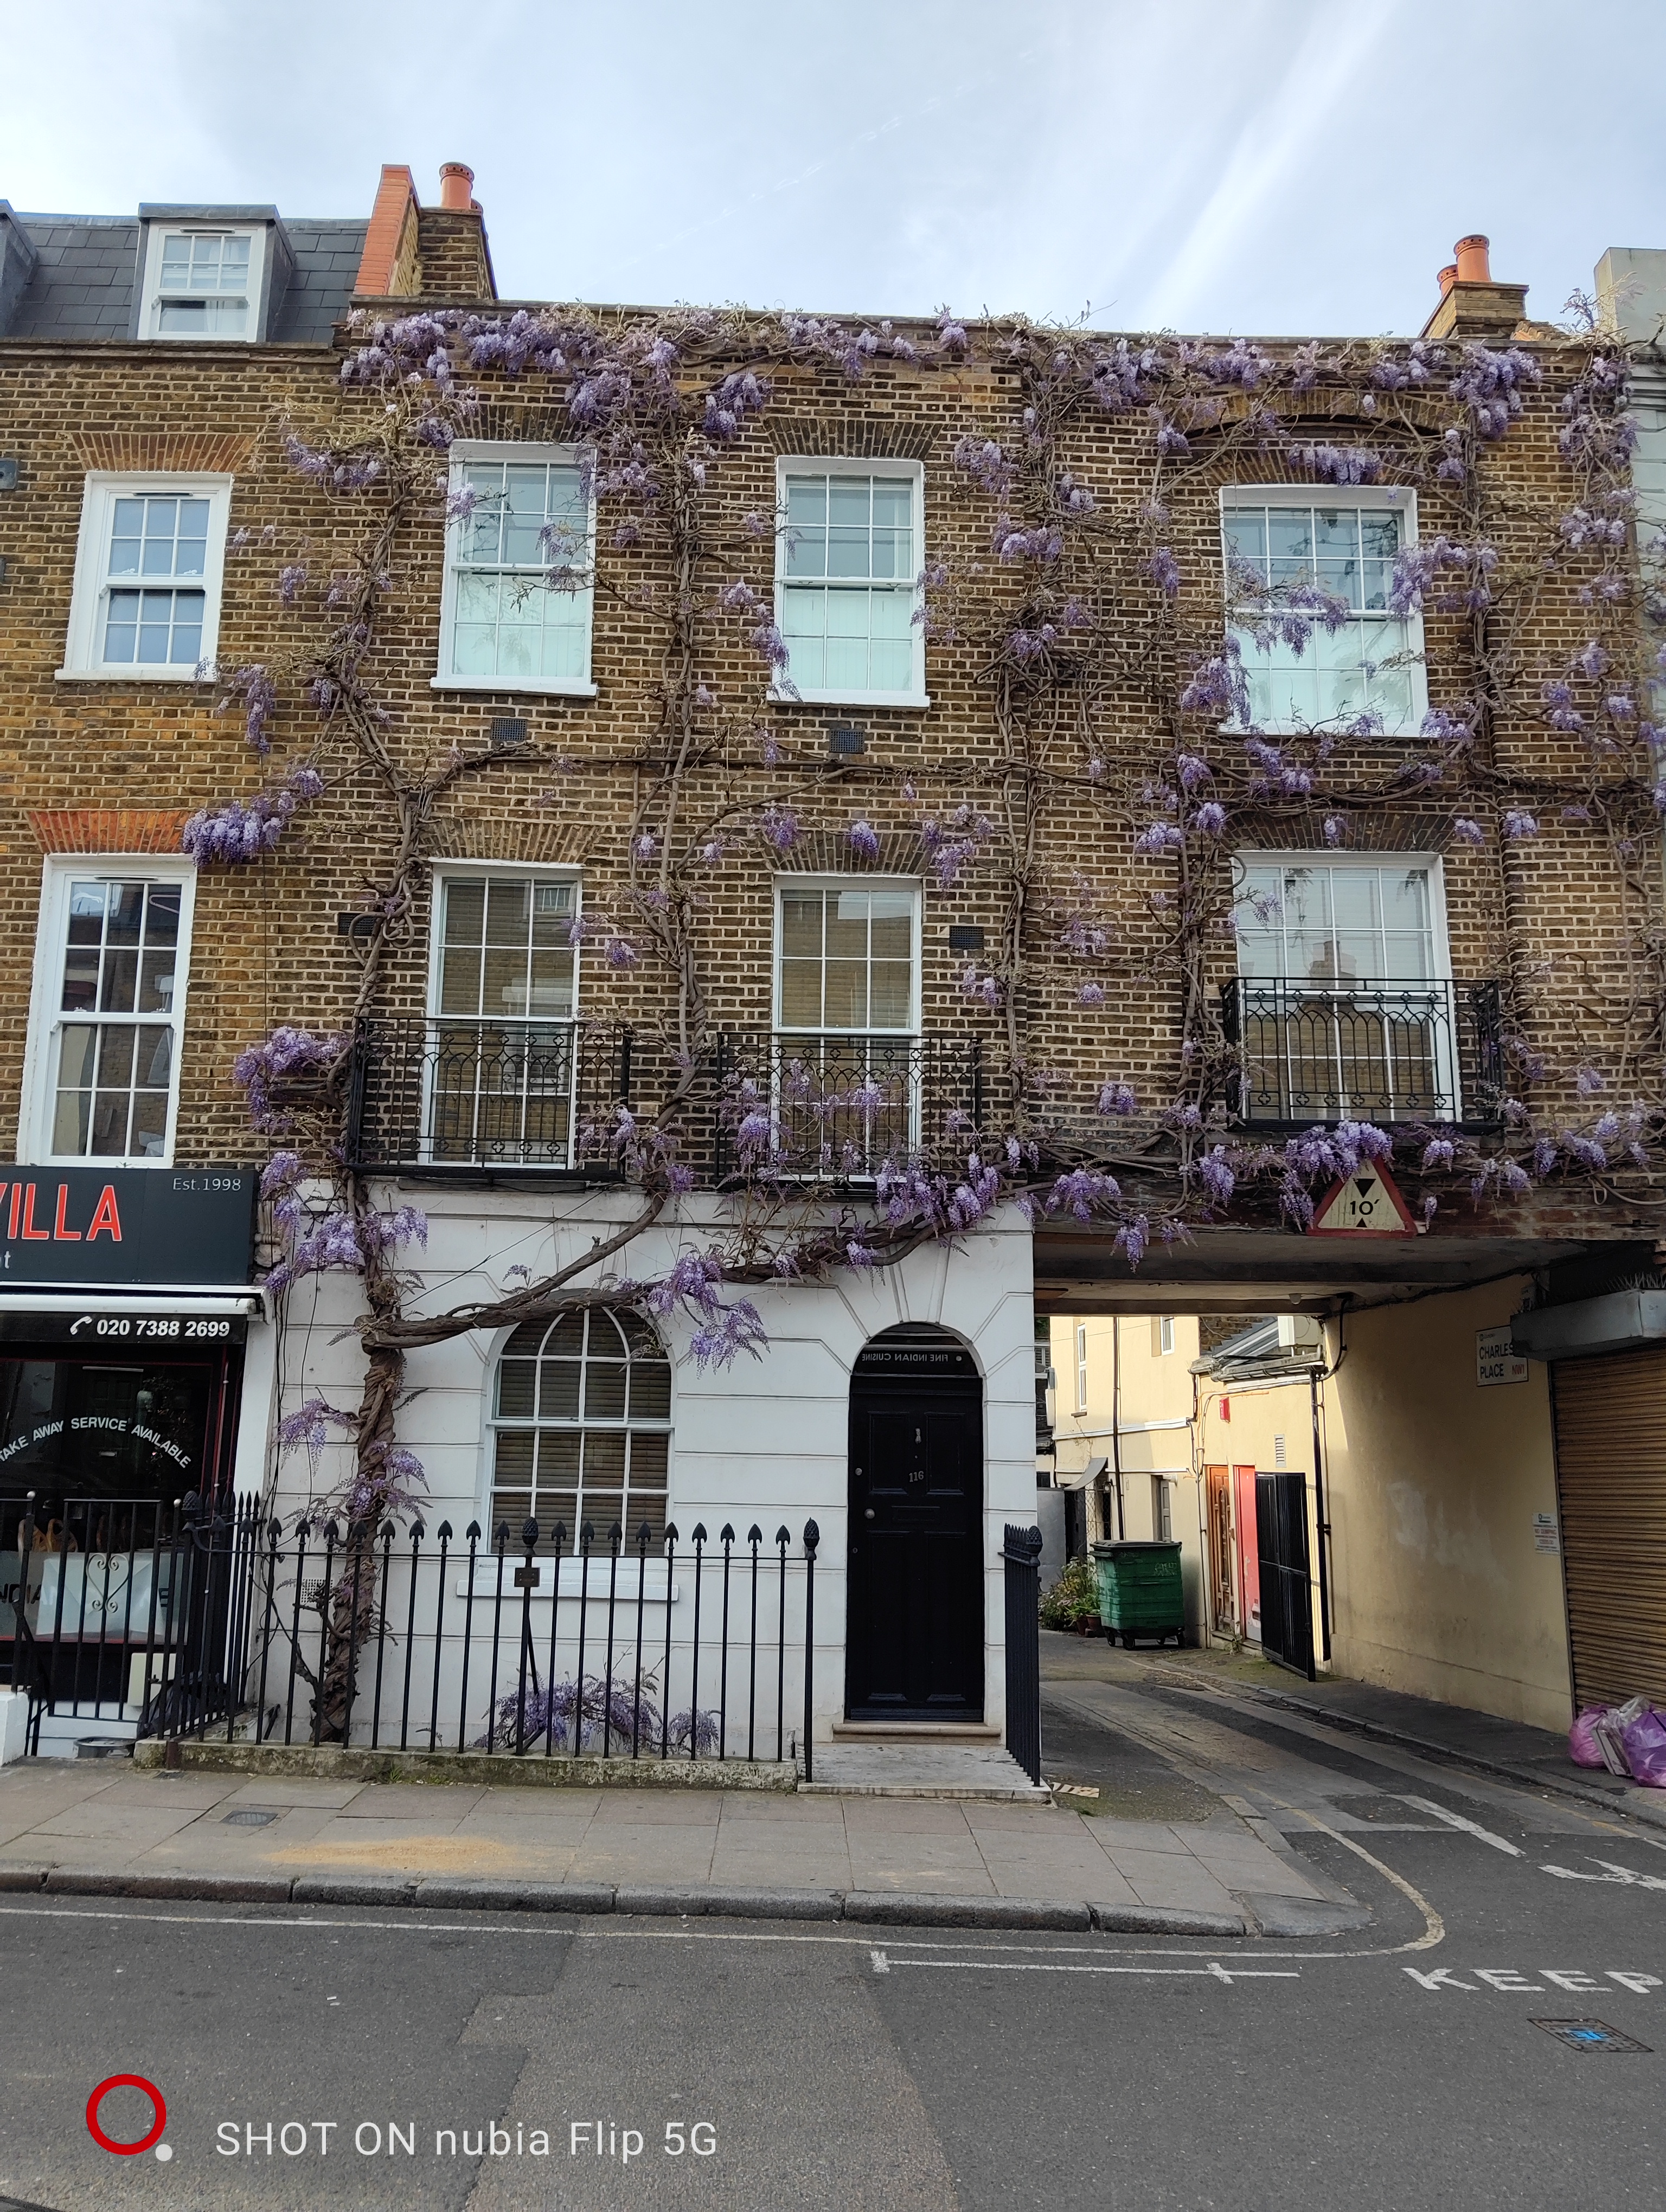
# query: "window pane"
[[800, 994], [846, 994], [846, 926], [517, 1386], [650, 1395], [459, 981], [558, 1388], [649, 1452], [893, 925], [149, 1136], [801, 922], [508, 911], [121, 627], [890, 993], [464, 920]]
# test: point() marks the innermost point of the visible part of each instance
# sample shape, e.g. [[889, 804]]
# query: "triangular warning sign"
[[1365, 1204]]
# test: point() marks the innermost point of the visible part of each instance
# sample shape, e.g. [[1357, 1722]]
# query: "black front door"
[[915, 1628], [1286, 1590]]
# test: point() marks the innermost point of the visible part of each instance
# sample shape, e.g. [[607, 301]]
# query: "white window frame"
[[1081, 1367], [911, 472], [441, 873], [46, 1017], [1389, 498], [84, 637], [1448, 1073], [157, 230], [463, 452], [912, 886], [783, 1038], [1165, 1335]]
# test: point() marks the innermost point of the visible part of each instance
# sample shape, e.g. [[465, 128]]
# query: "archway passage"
[[914, 1639]]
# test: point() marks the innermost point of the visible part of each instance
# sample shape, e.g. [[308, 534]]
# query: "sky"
[[1262, 167]]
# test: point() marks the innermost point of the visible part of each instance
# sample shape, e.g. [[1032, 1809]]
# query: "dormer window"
[[201, 283]]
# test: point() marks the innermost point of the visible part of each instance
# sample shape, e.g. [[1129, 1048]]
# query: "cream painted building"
[[1373, 1494]]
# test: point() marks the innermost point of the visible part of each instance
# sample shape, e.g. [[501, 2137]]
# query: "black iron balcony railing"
[[447, 1099], [447, 1096], [832, 1107], [1368, 1052]]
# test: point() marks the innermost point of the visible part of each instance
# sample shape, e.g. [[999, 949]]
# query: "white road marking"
[[1617, 1874], [881, 1964], [1214, 1970], [1456, 1820]]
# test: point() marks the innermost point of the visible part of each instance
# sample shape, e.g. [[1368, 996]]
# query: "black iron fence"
[[1373, 1051], [115, 1612], [1021, 1563], [529, 1642]]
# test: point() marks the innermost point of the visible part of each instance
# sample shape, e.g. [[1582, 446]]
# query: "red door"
[[1243, 1498]]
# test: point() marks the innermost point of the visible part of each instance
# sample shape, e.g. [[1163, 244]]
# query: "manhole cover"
[[1591, 2035], [249, 1819]]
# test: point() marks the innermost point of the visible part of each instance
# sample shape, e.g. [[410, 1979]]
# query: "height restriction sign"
[[1365, 1204]]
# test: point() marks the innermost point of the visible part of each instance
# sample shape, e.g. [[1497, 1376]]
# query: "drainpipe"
[[1319, 1517], [1116, 1419]]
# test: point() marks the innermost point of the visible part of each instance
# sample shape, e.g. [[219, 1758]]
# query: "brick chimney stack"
[[1474, 304], [457, 261]]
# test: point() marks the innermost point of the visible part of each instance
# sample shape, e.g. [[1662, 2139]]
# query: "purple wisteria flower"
[[863, 839], [244, 830], [1340, 465]]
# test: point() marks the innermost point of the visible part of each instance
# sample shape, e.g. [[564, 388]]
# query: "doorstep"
[[918, 1731], [982, 1772]]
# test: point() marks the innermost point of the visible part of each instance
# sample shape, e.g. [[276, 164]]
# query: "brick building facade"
[[157, 378]]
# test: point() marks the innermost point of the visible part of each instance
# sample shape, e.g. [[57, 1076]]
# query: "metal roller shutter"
[[1611, 1479]]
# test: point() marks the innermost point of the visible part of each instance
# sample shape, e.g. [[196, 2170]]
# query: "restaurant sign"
[[181, 1226]]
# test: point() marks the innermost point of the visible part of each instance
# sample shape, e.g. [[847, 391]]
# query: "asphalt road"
[[809, 2068]]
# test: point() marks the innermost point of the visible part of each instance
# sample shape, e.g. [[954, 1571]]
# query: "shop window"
[[581, 1429], [109, 1013]]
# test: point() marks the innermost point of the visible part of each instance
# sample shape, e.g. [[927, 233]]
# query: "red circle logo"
[[126, 2082]]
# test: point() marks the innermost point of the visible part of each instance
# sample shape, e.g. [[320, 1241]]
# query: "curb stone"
[[925, 1909], [354, 1889], [1149, 1920], [1300, 1916], [874, 1908], [458, 1893]]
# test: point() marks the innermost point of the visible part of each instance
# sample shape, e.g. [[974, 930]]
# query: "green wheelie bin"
[[1141, 1591]]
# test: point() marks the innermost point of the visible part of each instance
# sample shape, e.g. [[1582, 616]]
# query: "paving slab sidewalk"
[[80, 1825]]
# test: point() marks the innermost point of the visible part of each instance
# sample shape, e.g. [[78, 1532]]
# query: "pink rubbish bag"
[[1583, 1748], [1645, 1740]]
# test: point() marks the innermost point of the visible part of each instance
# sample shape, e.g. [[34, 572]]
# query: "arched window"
[[581, 1417]]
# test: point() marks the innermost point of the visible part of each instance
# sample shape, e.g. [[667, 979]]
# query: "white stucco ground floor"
[[893, 1409]]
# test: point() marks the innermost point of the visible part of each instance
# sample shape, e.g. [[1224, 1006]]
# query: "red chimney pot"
[[457, 187], [1448, 278], [1473, 266]]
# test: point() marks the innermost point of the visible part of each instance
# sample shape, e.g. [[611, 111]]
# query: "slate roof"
[[82, 286]]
